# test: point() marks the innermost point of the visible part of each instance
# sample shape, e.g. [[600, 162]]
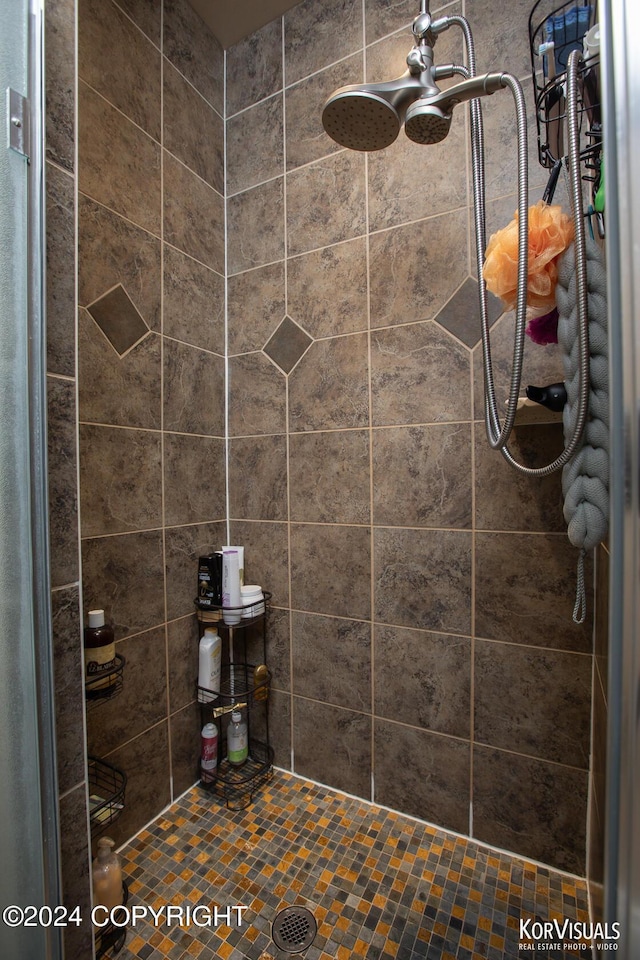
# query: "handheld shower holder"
[[422, 28]]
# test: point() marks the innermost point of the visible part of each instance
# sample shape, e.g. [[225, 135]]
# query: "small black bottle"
[[553, 396]]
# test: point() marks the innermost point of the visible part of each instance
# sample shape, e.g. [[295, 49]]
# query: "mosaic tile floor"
[[380, 886]]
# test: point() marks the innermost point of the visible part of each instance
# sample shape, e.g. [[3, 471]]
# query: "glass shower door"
[[620, 22], [28, 812]]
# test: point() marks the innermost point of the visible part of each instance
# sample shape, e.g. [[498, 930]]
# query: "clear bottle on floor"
[[237, 740], [107, 876]]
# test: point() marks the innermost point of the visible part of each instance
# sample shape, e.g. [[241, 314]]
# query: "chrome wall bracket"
[[18, 123]]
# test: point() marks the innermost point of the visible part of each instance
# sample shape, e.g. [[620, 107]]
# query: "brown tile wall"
[[422, 590], [425, 654], [151, 413]]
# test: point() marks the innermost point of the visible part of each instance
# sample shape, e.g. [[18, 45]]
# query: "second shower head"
[[426, 123], [428, 119]]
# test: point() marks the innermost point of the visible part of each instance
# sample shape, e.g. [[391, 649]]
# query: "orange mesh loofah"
[[550, 233]]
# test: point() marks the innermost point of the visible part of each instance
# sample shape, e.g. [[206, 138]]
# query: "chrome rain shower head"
[[369, 116], [360, 119]]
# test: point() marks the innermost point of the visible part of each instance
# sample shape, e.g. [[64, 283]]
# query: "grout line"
[[117, 4], [81, 784], [193, 172], [59, 168], [194, 88], [473, 607], [367, 223], [192, 346], [169, 526], [76, 329], [470, 272], [158, 143], [438, 733], [122, 113], [360, 429], [149, 233], [158, 430], [227, 391], [185, 253], [143, 733], [162, 424], [287, 397], [353, 239], [255, 186], [60, 588], [463, 531], [429, 632]]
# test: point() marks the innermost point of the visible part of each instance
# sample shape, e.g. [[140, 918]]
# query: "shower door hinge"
[[18, 123]]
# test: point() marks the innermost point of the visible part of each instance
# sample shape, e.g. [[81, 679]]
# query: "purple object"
[[544, 330]]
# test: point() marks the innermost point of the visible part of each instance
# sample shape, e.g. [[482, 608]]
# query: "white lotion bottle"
[[231, 597], [209, 662]]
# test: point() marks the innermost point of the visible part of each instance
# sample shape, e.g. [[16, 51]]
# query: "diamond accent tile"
[[119, 319], [288, 344], [461, 315]]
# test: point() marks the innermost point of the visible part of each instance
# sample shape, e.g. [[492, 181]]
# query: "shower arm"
[[498, 434]]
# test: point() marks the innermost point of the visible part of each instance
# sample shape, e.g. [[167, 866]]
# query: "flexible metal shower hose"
[[498, 434]]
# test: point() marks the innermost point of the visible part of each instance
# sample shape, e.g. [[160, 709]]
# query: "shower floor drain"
[[294, 929]]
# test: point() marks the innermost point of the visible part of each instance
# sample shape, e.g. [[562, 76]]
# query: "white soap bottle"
[[209, 661]]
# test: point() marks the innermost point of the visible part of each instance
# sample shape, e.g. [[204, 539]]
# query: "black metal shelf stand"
[[245, 685]]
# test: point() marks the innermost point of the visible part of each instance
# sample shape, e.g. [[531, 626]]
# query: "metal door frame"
[[28, 788]]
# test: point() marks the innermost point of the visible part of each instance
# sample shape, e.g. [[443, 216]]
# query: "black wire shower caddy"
[[565, 26]]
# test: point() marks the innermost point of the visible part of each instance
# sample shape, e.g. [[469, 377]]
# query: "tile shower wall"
[[60, 173], [423, 645], [479, 708], [150, 370]]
